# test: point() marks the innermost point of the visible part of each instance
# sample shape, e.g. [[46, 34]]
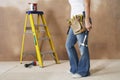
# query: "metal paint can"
[[33, 6]]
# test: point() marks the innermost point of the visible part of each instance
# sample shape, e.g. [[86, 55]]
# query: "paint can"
[[33, 6]]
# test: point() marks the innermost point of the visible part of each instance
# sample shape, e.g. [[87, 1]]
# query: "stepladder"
[[36, 30]]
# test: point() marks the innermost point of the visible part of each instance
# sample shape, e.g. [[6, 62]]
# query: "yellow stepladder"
[[36, 36]]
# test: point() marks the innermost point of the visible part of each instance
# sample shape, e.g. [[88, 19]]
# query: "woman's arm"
[[87, 14]]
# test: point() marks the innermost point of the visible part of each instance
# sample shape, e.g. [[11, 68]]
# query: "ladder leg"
[[39, 57], [50, 40], [38, 26], [23, 39]]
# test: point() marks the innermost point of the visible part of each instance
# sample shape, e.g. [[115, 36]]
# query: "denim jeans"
[[82, 65]]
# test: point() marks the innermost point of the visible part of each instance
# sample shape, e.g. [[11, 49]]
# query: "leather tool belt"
[[77, 24]]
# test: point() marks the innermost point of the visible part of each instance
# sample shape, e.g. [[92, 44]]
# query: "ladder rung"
[[47, 52], [42, 30], [28, 31], [41, 25], [28, 28], [44, 38]]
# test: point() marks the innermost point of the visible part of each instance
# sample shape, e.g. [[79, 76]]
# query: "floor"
[[100, 70]]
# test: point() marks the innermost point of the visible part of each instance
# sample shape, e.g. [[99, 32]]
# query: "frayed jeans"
[[82, 65]]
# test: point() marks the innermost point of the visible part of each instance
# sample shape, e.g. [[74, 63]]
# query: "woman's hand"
[[88, 25]]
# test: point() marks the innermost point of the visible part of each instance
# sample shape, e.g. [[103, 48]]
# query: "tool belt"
[[77, 24]]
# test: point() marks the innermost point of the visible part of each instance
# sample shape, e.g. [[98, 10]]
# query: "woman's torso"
[[77, 7]]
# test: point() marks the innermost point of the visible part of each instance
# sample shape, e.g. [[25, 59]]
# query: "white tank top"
[[77, 7]]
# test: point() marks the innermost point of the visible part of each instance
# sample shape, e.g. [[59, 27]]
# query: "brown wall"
[[104, 40]]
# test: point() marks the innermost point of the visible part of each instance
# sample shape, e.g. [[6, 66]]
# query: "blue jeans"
[[82, 65]]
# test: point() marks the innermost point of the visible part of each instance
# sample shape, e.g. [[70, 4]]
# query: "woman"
[[79, 67]]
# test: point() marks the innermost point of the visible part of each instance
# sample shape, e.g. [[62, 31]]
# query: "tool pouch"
[[77, 24]]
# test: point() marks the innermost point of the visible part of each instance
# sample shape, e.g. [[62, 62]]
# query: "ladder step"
[[29, 30], [44, 38], [41, 25], [47, 52], [42, 30]]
